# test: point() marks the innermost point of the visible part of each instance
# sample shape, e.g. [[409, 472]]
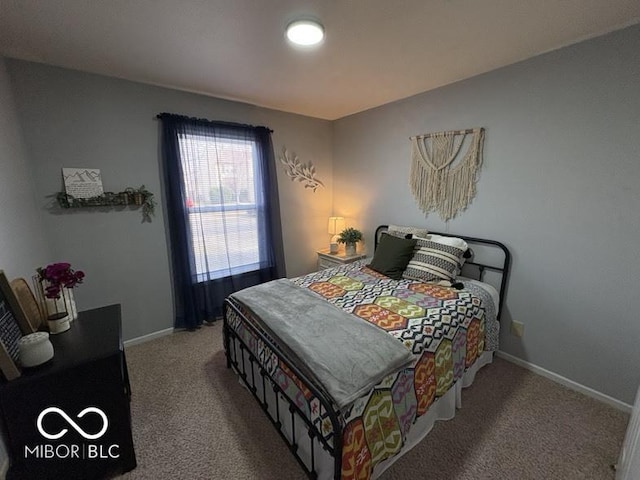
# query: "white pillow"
[[451, 241], [402, 231]]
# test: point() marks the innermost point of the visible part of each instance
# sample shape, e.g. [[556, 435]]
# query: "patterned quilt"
[[445, 329]]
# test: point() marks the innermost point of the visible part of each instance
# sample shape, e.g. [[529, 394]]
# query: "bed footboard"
[[258, 361]]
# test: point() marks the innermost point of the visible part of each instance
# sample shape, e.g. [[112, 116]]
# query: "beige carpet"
[[192, 420]]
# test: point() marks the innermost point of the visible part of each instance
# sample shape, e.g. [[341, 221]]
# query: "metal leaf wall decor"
[[302, 172]]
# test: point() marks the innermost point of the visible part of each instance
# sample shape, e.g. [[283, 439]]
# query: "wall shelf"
[[140, 197]]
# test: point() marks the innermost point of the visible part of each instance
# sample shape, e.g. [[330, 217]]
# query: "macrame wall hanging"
[[437, 181]]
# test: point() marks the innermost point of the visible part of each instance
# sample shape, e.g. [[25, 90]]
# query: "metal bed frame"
[[246, 363]]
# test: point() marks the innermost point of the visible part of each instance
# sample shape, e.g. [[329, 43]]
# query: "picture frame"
[[13, 325], [32, 308]]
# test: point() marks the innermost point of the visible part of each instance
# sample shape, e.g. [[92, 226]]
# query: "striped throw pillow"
[[433, 261]]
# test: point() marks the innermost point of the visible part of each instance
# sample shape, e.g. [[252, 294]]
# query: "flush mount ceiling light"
[[305, 32]]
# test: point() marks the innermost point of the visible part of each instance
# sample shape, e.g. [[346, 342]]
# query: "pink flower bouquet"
[[59, 276]]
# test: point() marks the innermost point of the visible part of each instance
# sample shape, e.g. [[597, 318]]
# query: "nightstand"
[[328, 260]]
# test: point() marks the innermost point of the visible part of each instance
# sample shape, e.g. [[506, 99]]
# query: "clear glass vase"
[[56, 311]]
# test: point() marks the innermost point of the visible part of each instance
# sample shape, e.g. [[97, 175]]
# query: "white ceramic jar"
[[35, 349]]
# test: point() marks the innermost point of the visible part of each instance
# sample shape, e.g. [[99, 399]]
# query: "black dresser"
[[70, 418]]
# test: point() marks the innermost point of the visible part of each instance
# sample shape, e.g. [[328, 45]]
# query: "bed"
[[446, 334]]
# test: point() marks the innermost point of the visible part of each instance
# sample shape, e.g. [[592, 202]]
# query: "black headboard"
[[476, 266]]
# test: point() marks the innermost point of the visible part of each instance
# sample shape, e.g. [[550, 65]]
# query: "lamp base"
[[334, 246]]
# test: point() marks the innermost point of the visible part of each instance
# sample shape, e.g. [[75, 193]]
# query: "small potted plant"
[[350, 236]]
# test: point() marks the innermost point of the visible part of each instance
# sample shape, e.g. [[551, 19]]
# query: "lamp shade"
[[336, 225]]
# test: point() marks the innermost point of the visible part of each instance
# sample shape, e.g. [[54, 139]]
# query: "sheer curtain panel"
[[224, 217]]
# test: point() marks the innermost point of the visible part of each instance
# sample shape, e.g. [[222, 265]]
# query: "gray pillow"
[[392, 256]]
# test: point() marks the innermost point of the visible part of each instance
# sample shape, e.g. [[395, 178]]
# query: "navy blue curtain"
[[223, 212]]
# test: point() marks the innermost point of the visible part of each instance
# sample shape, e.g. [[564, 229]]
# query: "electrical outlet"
[[517, 328]]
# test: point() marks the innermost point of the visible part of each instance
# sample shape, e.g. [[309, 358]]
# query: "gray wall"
[[22, 244], [73, 119], [559, 186]]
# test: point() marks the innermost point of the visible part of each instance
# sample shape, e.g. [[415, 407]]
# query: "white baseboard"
[[590, 392], [148, 337]]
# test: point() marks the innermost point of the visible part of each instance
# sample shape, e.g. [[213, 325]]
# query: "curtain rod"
[[206, 121], [451, 132]]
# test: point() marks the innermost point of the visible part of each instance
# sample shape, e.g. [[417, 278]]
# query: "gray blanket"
[[347, 354]]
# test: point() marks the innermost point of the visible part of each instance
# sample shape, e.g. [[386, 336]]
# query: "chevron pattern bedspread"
[[443, 327]]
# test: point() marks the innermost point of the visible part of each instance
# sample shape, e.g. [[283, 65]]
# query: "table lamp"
[[336, 226]]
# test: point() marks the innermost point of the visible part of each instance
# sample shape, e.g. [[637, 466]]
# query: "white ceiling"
[[375, 52]]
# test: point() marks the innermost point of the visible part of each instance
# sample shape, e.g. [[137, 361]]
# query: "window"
[[222, 211], [222, 192]]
